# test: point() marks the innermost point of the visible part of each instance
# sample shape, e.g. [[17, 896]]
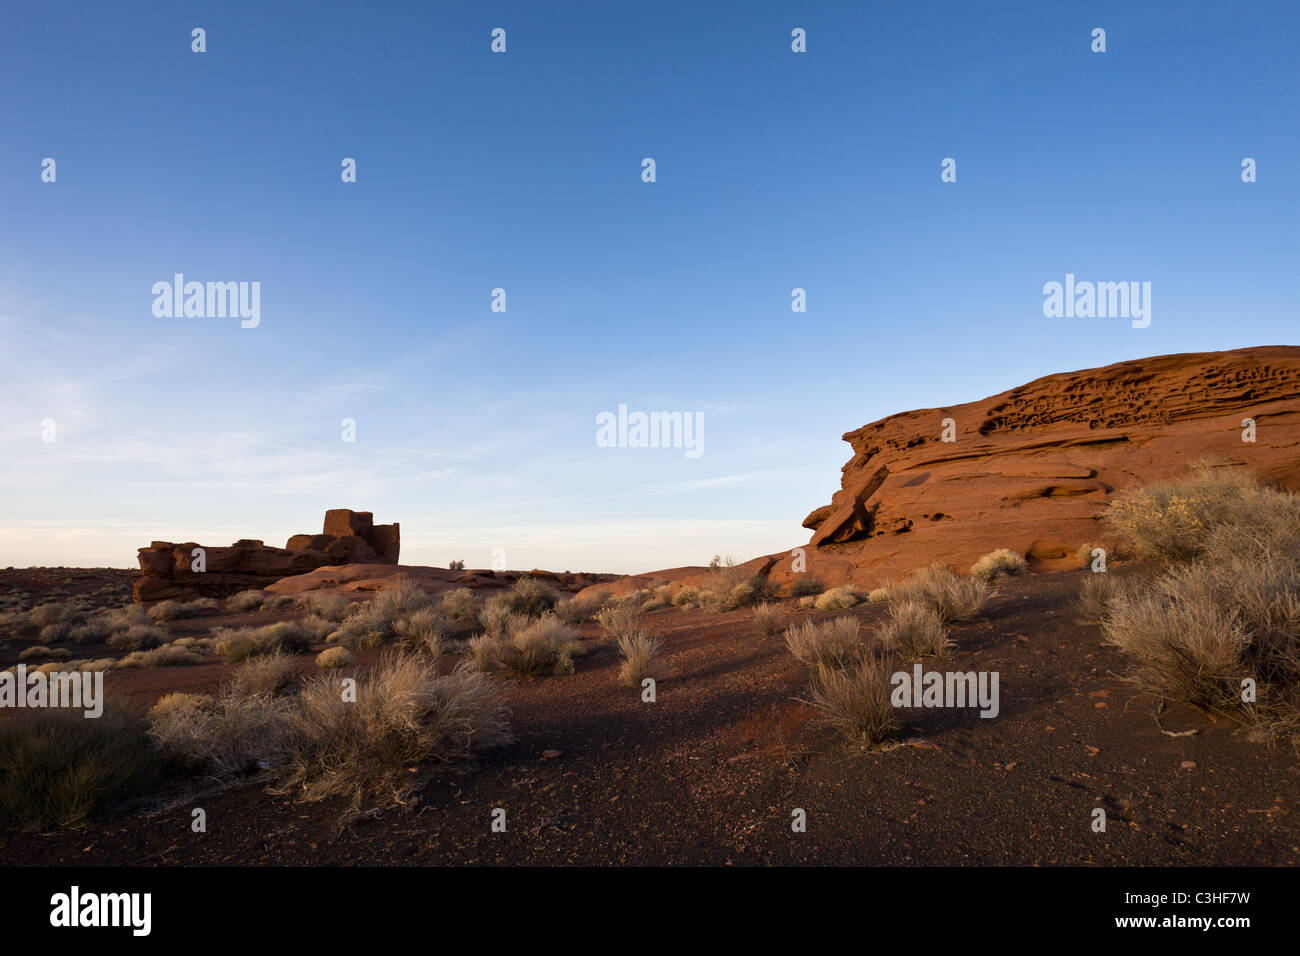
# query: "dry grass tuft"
[[169, 655], [234, 645], [638, 652], [1098, 590], [855, 699], [545, 646], [247, 600], [768, 619], [831, 643], [998, 564], [954, 598], [334, 657], [838, 599], [270, 674], [915, 630]]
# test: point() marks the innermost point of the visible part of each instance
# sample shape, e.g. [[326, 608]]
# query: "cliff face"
[[1031, 468]]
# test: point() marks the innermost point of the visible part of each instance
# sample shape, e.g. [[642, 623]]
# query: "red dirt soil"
[[710, 773]]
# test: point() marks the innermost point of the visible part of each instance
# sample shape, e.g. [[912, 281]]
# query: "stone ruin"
[[167, 570]]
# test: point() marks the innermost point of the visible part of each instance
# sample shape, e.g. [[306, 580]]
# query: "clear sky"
[[523, 171]]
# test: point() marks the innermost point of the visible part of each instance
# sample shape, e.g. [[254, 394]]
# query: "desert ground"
[[710, 772]]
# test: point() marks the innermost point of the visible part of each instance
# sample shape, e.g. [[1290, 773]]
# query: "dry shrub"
[[327, 605], [236, 645], [1173, 521], [914, 630], [656, 592], [405, 713], [879, 595], [733, 585], [1190, 646], [1098, 590], [499, 621], [53, 633], [832, 642], [376, 621], [233, 734], [577, 611], [1227, 607], [530, 597], [616, 620], [545, 646], [638, 652], [169, 702], [136, 637], [996, 564], [247, 600], [688, 598], [855, 699], [837, 599], [423, 628], [334, 657], [483, 651], [459, 608], [270, 675], [768, 618], [59, 766], [105, 624], [318, 627], [41, 652], [171, 611], [954, 598], [169, 655], [53, 620]]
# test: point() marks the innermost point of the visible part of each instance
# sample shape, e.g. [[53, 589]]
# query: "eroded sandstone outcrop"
[[168, 570], [1030, 469]]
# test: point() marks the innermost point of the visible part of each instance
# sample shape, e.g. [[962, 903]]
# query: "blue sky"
[[775, 170]]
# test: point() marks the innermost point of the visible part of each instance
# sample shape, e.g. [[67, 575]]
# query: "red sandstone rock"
[[1032, 468], [166, 569]]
